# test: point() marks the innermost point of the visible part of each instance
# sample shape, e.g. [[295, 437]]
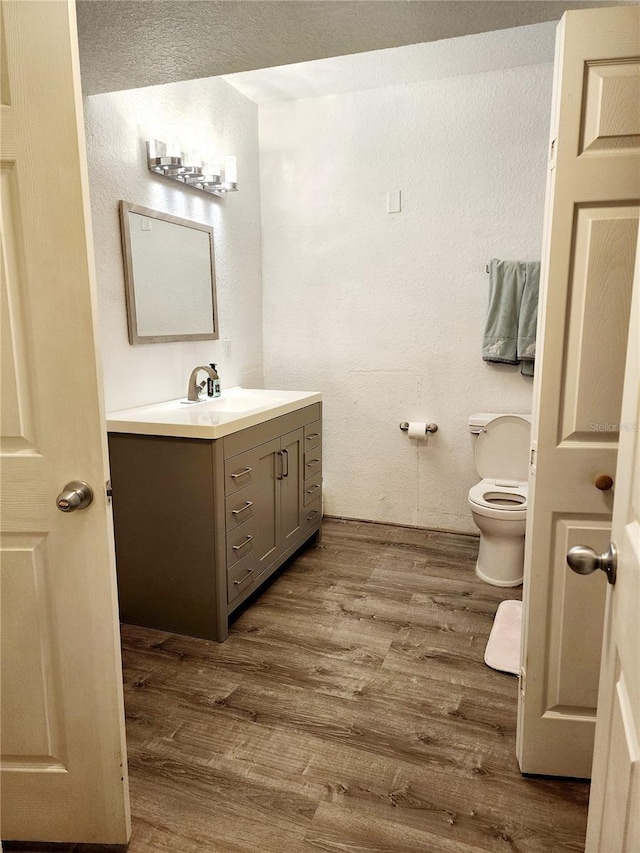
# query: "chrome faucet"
[[195, 387]]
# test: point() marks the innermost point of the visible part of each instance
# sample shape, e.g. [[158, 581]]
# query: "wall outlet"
[[226, 348]]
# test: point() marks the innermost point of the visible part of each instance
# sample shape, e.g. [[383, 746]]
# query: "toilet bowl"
[[498, 502]]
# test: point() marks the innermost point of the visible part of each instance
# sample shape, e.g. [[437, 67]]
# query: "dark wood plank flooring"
[[349, 711]]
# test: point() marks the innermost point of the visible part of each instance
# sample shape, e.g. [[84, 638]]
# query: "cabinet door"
[[292, 447], [268, 471]]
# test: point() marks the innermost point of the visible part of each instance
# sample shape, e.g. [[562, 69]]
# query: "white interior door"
[[591, 228], [63, 762], [614, 803]]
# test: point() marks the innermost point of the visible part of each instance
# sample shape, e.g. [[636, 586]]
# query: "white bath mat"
[[503, 648]]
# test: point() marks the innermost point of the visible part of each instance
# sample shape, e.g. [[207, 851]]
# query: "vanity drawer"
[[312, 461], [240, 471], [312, 435], [312, 488], [241, 576], [241, 542], [312, 513], [240, 507]]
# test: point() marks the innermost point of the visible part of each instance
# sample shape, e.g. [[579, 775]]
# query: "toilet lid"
[[502, 450]]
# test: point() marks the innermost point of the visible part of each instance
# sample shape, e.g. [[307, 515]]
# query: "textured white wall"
[[382, 312], [117, 126]]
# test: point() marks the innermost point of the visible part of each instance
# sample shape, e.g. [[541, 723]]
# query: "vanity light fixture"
[[168, 159]]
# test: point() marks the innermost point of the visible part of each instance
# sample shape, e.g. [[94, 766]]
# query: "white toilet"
[[499, 501]]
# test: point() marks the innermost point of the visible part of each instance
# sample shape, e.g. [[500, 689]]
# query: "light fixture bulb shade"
[[230, 170], [193, 158], [212, 164], [173, 148]]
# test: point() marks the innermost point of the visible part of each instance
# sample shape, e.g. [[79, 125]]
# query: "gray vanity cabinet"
[[264, 489], [291, 505], [200, 525]]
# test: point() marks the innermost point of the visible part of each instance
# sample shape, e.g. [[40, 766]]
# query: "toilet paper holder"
[[404, 426]]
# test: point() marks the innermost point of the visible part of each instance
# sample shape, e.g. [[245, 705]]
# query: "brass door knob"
[[603, 482]]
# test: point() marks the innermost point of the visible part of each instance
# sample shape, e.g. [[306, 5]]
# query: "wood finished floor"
[[349, 711]]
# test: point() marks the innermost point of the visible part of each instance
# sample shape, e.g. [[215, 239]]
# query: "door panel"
[[572, 680], [614, 803], [267, 509], [618, 833], [591, 227], [63, 767], [599, 299], [16, 412], [30, 679], [611, 117], [292, 487]]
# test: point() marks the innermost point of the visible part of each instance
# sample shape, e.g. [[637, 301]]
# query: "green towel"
[[506, 283], [512, 316], [528, 318]]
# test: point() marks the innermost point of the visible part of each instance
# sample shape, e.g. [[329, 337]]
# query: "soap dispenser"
[[213, 383]]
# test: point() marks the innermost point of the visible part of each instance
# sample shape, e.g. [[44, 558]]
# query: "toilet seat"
[[509, 499], [502, 460], [502, 449]]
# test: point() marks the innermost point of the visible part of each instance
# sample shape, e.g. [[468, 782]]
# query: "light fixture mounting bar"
[[169, 162]]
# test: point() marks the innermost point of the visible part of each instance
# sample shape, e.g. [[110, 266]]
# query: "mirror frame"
[[130, 294]]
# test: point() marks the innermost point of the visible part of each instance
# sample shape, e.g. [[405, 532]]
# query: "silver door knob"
[[75, 495], [584, 561]]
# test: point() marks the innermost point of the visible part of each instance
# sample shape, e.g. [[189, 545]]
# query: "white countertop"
[[235, 409]]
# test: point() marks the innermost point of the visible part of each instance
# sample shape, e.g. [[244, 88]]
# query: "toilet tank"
[[478, 421]]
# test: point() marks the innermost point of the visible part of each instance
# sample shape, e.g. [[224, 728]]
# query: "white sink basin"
[[237, 408], [236, 403]]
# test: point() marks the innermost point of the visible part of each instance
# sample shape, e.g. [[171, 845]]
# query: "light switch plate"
[[394, 201]]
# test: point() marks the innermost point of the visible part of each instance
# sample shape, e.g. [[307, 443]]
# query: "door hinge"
[[522, 677], [109, 491], [552, 152]]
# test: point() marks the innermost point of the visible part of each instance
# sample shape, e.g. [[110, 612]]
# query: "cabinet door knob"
[[603, 482]]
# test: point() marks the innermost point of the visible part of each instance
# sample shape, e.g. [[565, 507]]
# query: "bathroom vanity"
[[209, 500]]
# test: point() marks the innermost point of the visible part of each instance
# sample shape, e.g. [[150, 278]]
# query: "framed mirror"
[[170, 281]]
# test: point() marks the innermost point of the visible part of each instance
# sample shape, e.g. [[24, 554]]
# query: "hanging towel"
[[528, 318], [506, 284]]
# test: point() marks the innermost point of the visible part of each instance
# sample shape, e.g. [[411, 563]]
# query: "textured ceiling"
[[125, 44], [412, 63]]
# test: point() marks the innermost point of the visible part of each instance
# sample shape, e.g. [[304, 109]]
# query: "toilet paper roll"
[[418, 430]]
